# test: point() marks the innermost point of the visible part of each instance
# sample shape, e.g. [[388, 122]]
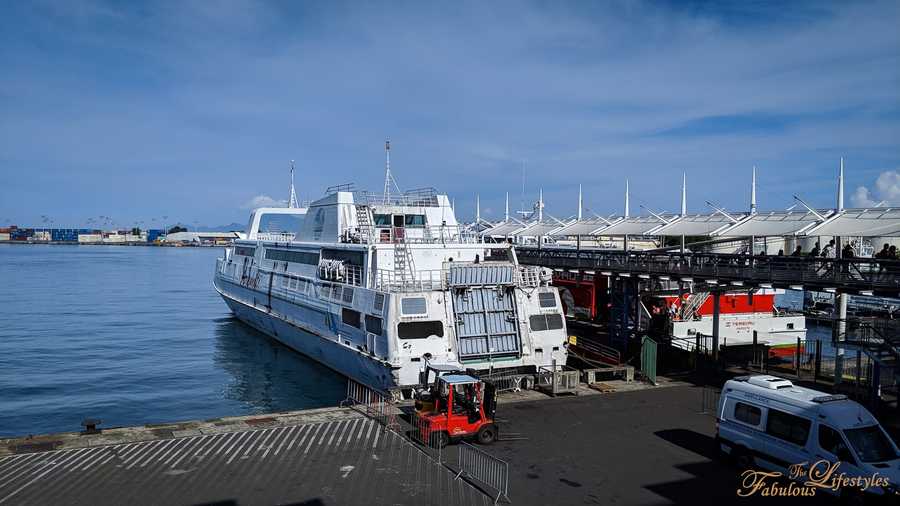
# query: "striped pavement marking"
[[379, 464]]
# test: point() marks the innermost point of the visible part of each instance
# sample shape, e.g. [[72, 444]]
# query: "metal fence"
[[558, 379], [372, 403], [709, 400], [484, 468]]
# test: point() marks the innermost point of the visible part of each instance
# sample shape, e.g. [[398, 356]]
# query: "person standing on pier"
[[797, 252]]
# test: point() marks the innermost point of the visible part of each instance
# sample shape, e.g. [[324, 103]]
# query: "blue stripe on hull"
[[342, 359]]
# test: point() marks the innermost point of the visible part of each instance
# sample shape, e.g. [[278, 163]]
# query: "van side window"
[[747, 413], [790, 428]]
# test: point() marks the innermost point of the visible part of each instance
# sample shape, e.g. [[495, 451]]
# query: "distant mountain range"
[[231, 227]]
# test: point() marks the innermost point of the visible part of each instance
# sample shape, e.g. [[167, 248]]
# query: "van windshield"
[[871, 444]]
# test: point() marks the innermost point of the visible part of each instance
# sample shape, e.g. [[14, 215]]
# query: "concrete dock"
[[641, 446]]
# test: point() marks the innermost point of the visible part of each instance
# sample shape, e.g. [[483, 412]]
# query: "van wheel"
[[742, 458], [487, 434]]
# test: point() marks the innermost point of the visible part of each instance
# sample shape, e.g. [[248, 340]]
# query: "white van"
[[767, 423]]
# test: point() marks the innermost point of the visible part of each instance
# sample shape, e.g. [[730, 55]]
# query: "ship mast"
[[388, 178], [292, 203]]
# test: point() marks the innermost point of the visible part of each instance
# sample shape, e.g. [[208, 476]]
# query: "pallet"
[[602, 387]]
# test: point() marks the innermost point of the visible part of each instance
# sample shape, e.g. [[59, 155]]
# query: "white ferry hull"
[[342, 359]]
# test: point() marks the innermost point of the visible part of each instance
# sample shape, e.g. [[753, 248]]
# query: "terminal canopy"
[[584, 227], [876, 222], [539, 229], [635, 225], [774, 224], [699, 224], [504, 229]]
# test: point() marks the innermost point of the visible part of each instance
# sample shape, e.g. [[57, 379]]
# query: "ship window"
[[790, 326], [298, 257], [284, 281], [547, 299], [351, 317], [415, 220], [294, 283], [348, 295], [747, 413], [280, 223], [336, 293], [413, 305], [326, 291], [398, 220], [242, 250], [379, 302], [382, 220], [541, 322], [374, 325], [420, 330]]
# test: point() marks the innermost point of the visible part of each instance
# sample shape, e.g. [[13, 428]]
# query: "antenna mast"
[[292, 203], [753, 192], [388, 178]]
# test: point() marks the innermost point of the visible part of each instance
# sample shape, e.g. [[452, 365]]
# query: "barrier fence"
[[484, 468], [709, 400], [422, 433], [374, 404]]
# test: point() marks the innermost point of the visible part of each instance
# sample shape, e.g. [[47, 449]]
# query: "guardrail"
[[861, 274], [372, 403], [484, 468]]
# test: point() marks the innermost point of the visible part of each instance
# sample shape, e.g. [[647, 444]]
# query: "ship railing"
[[420, 197], [432, 234], [387, 280], [276, 236], [337, 270]]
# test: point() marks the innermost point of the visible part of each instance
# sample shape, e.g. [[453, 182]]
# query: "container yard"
[[88, 236]]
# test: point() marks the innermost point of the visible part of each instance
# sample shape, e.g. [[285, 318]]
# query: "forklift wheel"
[[487, 434], [439, 439]]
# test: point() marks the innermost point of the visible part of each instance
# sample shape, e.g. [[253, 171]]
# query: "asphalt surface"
[[632, 448], [352, 461]]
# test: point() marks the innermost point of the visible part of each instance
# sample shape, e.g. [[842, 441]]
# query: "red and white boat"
[[740, 314]]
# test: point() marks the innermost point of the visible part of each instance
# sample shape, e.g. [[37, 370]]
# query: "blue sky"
[[193, 109]]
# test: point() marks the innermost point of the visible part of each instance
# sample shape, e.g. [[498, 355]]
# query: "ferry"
[[740, 315], [378, 285]]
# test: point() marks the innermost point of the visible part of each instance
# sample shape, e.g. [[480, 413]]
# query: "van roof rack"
[[829, 398]]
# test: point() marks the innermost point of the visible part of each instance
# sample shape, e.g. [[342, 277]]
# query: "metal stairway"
[[691, 304], [363, 220], [404, 269], [881, 342]]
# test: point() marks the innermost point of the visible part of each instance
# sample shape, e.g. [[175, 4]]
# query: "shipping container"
[[4, 236]]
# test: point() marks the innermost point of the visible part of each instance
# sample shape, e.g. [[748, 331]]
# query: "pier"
[[637, 445]]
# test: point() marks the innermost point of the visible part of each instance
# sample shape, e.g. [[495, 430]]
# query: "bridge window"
[[351, 317], [382, 220], [413, 305], [414, 220], [374, 325], [276, 223], [547, 299], [379, 302], [244, 251], [347, 295], [420, 330], [541, 322]]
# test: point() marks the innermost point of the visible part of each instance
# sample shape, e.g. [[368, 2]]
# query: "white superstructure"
[[376, 285]]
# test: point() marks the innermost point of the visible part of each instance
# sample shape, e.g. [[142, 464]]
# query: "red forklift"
[[462, 407]]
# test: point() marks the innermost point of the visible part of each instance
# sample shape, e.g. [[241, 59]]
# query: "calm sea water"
[[135, 335]]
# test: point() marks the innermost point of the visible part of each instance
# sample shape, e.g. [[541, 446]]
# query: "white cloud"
[[263, 201], [886, 189]]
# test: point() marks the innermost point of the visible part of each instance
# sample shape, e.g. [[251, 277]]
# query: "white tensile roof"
[[773, 224], [875, 222], [698, 224]]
